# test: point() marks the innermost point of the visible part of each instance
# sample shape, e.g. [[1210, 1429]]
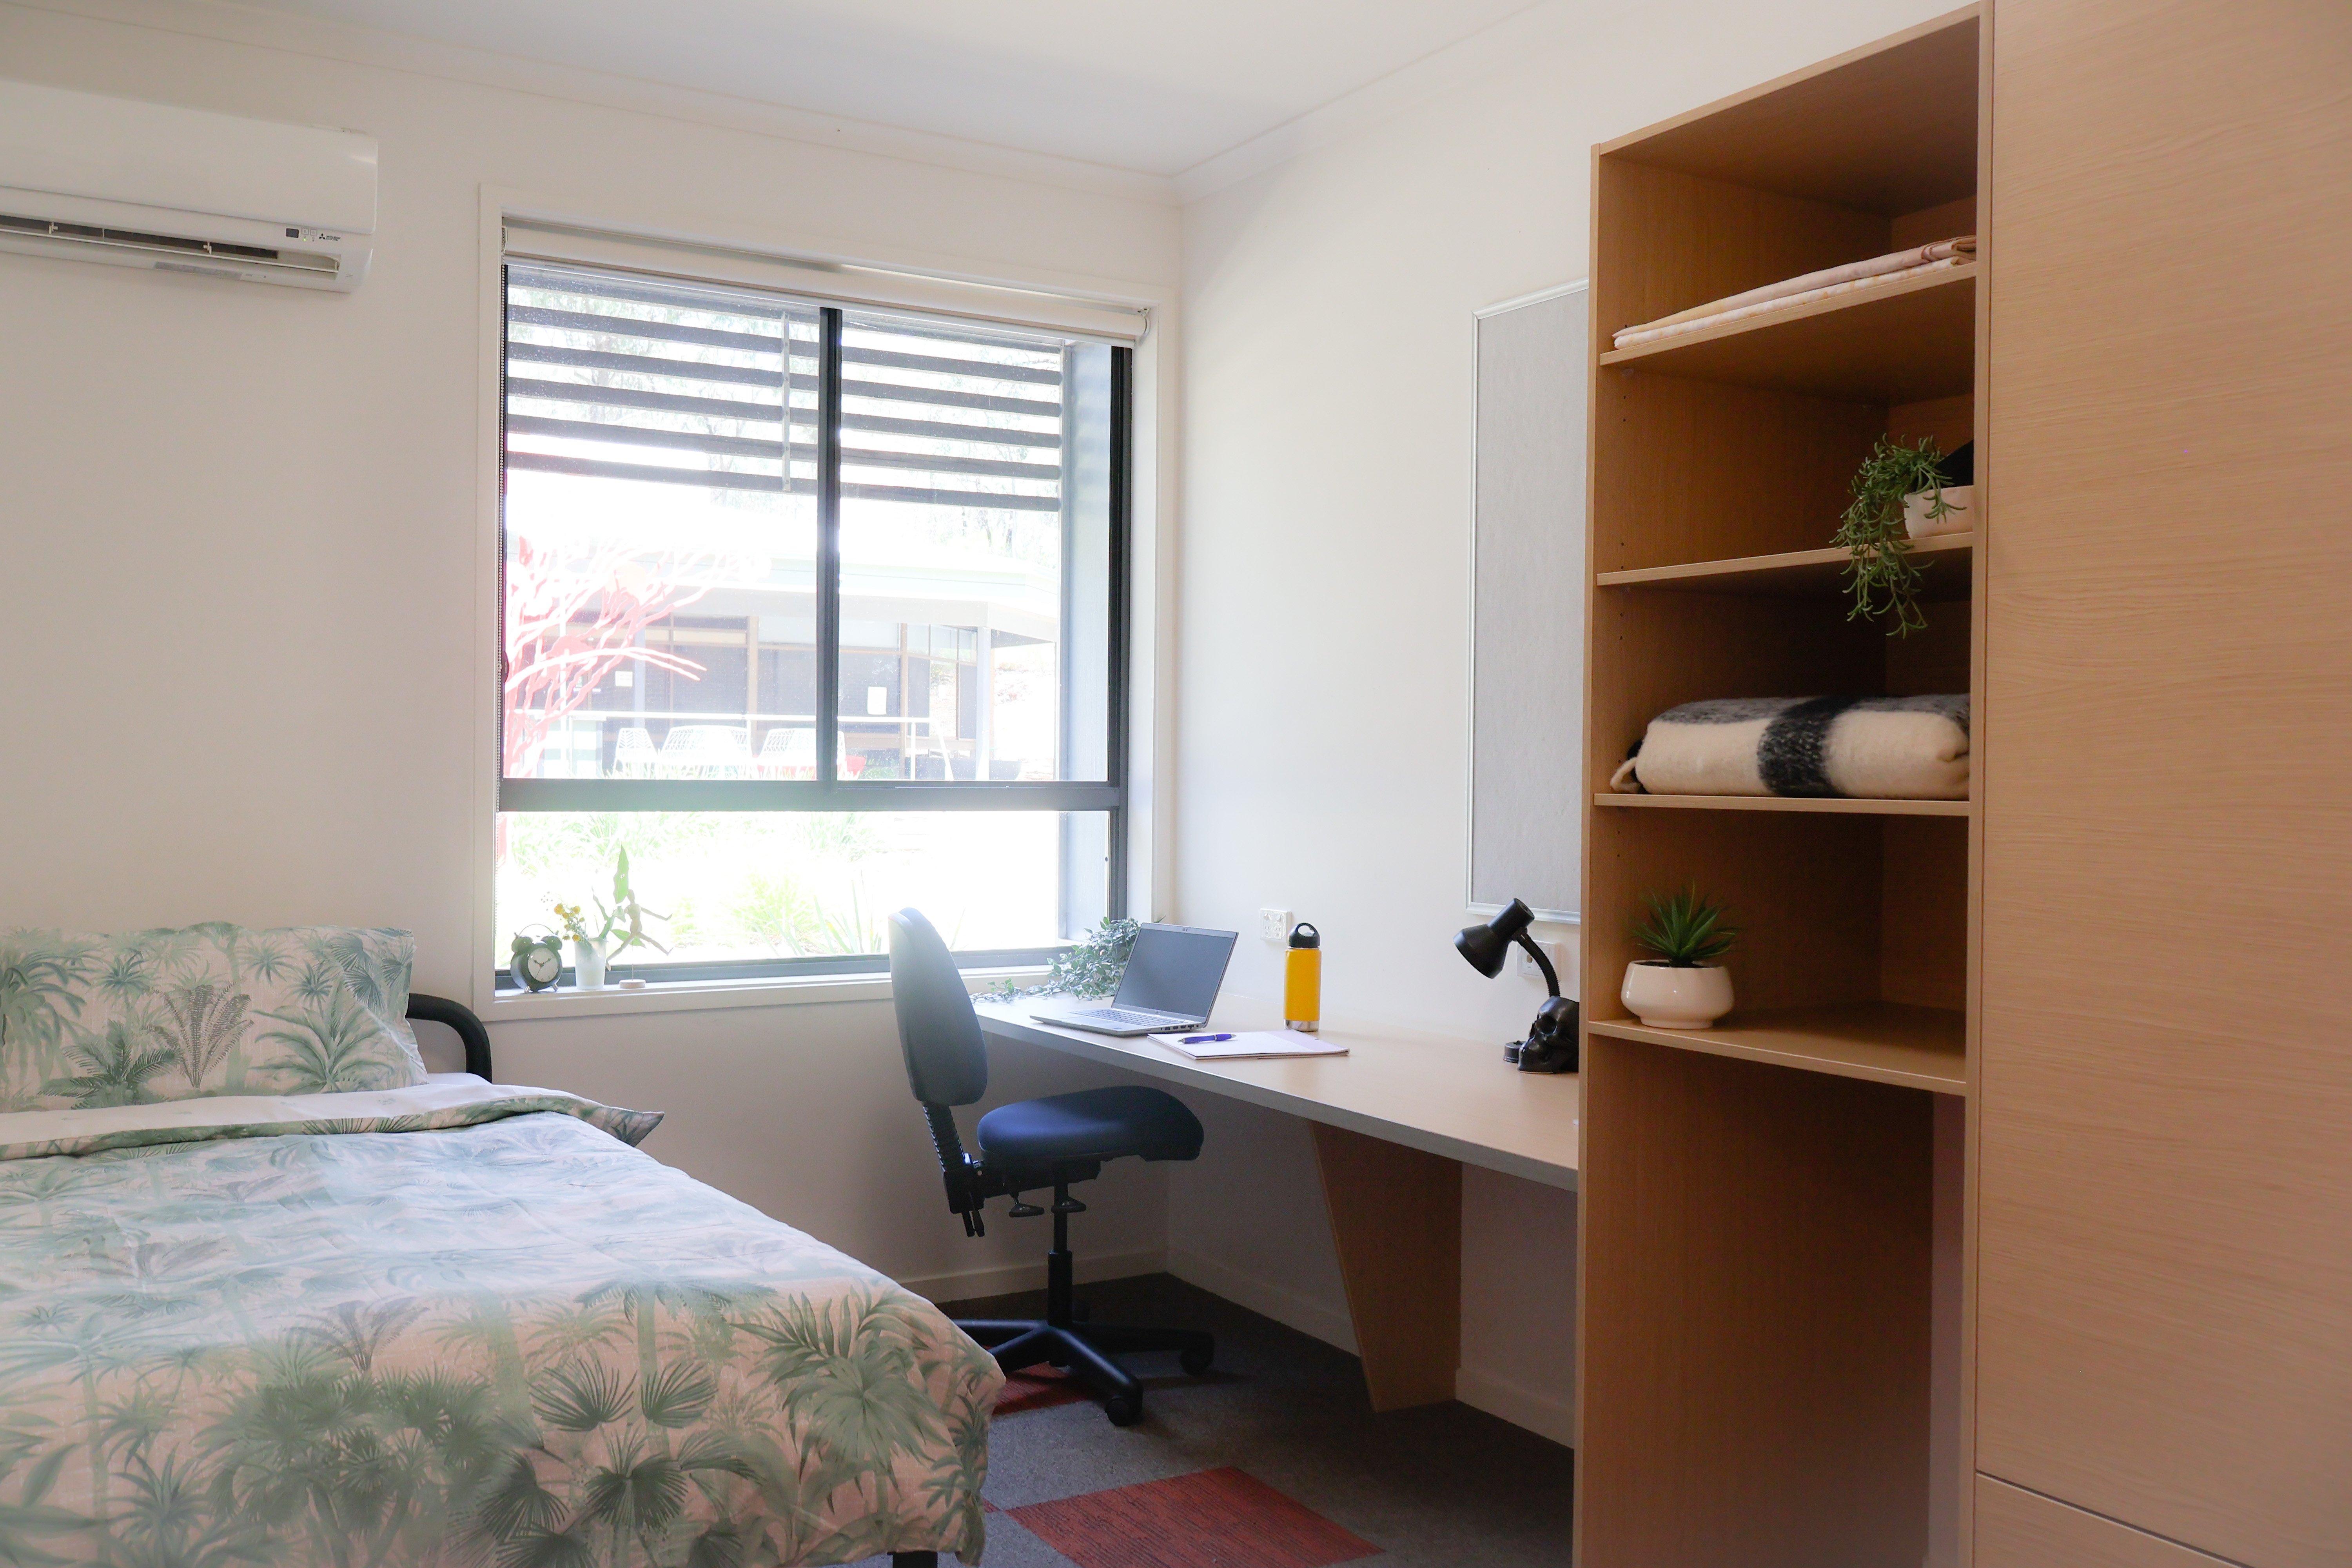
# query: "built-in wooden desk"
[[1394, 1120]]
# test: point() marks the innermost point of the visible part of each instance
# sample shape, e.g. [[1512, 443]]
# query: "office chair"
[[1033, 1144]]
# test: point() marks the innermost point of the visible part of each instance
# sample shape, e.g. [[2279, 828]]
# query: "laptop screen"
[[1176, 969]]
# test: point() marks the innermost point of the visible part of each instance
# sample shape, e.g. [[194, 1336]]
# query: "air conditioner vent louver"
[[170, 245]]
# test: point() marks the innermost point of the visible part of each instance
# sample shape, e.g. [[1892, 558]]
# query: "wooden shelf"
[[1800, 573], [1885, 1042], [1898, 343], [1829, 806]]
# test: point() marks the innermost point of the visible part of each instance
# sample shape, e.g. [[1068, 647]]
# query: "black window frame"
[[828, 791]]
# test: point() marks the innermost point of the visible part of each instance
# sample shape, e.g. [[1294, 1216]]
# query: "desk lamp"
[[1551, 1043]]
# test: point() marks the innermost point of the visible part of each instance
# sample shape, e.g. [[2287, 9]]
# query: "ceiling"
[[1154, 86]]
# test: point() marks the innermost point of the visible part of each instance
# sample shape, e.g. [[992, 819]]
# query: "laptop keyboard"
[[1130, 1017]]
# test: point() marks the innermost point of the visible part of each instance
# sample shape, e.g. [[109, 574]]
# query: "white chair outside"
[[705, 751], [788, 753], [633, 756]]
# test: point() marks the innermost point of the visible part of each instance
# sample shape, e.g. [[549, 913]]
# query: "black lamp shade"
[[1486, 946]]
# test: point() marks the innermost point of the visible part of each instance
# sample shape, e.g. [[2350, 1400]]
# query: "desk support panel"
[[1396, 1216]]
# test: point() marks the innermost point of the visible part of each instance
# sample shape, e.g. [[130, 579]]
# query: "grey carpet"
[[1441, 1487]]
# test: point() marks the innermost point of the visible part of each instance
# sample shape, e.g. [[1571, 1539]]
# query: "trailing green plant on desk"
[[1881, 575], [1091, 967]]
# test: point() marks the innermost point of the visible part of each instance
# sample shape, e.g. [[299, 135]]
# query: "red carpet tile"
[[1216, 1519], [1035, 1388]]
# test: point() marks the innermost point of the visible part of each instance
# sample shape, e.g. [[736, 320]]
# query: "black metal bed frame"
[[461, 1017]]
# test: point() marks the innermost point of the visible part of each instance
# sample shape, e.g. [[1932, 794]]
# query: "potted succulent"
[[1684, 987], [1900, 493]]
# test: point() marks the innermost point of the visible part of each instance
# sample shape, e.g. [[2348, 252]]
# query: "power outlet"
[[1274, 925]]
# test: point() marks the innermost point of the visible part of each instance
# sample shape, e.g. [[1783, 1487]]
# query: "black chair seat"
[[1092, 1124]]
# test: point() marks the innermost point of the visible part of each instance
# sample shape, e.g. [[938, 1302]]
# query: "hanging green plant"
[[1881, 575]]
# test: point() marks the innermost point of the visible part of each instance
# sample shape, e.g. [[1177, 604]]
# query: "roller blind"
[[837, 282]]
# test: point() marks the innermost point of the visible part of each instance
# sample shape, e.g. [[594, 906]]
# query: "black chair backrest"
[[947, 1061]]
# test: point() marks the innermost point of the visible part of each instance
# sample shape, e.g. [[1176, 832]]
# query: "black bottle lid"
[[1305, 935]]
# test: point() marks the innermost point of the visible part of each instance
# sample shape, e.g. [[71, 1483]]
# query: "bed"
[[450, 1322]]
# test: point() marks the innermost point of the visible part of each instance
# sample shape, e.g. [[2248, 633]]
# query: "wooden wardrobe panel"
[[2165, 1245], [2020, 1530]]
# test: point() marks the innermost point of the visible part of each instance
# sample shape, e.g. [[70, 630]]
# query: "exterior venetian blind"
[[635, 379]]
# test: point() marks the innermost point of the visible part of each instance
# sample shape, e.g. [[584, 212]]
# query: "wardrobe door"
[[2164, 1301]]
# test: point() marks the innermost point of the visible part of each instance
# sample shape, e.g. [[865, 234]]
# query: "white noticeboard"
[[1526, 614]]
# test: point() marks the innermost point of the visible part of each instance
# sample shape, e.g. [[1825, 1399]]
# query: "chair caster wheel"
[[1124, 1411], [1196, 1361]]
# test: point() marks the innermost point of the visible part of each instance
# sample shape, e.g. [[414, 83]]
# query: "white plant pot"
[[588, 965], [1961, 499], [1665, 997]]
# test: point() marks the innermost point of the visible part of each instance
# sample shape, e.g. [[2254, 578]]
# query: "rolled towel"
[[1864, 748]]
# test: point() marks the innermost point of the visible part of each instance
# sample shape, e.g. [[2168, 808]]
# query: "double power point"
[[1274, 926]]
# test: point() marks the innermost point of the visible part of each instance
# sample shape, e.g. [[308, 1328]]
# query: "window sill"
[[694, 995]]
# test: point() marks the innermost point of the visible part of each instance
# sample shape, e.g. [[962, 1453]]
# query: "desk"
[[1394, 1120]]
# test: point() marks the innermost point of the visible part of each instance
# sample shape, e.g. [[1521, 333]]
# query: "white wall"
[[238, 588], [1322, 719]]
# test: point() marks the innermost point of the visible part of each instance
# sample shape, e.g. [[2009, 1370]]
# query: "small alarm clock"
[[537, 960]]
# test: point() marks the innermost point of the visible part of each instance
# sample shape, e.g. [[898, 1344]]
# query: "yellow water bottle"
[[1302, 980]]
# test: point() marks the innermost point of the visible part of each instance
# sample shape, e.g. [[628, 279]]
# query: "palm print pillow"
[[89, 1021]]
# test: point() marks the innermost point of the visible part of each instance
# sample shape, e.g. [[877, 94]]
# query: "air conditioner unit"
[[180, 190]]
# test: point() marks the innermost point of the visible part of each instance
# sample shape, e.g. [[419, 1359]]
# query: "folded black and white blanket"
[[1873, 748]]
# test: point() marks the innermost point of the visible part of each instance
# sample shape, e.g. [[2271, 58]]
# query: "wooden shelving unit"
[[1762, 1335]]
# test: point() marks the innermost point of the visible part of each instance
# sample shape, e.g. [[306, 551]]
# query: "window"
[[817, 611]]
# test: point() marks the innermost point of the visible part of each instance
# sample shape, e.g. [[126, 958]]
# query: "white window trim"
[[1151, 584]]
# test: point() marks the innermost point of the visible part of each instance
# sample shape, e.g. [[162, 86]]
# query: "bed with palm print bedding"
[[449, 1323]]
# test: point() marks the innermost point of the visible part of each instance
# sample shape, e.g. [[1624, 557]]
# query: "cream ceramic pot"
[[1665, 997], [1961, 499]]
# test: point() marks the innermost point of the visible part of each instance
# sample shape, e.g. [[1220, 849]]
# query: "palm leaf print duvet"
[[455, 1324]]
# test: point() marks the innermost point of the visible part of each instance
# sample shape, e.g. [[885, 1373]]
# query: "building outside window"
[[814, 610]]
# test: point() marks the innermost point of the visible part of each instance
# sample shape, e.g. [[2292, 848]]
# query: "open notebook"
[[1248, 1044]]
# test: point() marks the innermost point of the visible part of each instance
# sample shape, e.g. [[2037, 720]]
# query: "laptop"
[[1171, 982]]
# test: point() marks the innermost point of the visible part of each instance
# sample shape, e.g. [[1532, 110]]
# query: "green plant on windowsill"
[[624, 919], [1685, 931], [1090, 968], [1881, 575]]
